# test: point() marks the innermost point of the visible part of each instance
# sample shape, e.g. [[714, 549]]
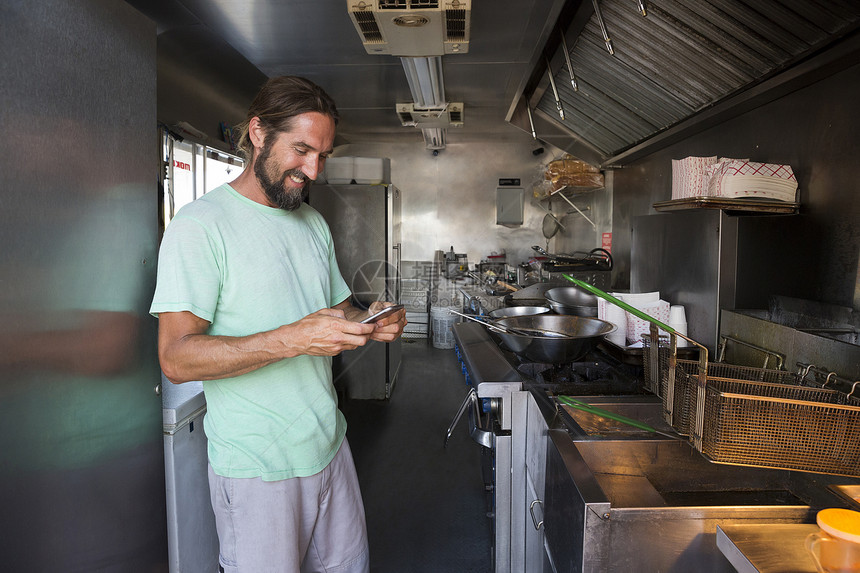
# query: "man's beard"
[[285, 198]]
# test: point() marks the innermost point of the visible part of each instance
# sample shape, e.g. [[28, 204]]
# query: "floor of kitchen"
[[426, 504]]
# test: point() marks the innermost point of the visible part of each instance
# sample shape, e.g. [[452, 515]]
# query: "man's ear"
[[256, 132]]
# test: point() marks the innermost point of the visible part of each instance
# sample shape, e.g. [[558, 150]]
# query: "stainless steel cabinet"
[[365, 225], [536, 437], [529, 432]]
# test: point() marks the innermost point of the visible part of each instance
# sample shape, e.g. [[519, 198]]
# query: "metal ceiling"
[[681, 58], [316, 39]]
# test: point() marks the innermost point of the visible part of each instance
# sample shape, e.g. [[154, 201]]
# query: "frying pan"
[[583, 334], [518, 311], [532, 295], [514, 330]]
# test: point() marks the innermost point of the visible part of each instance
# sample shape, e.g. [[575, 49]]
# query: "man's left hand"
[[389, 327]]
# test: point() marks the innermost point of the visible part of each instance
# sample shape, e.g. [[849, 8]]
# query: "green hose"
[[573, 403]]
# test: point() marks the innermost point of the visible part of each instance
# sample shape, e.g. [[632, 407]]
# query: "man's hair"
[[278, 102]]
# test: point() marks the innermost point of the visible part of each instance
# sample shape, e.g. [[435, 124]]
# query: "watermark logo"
[[374, 280]]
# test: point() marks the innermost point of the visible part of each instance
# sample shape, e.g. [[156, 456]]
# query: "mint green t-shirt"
[[248, 268]]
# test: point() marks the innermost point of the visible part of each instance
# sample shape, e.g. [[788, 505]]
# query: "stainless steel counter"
[[621, 501], [767, 548]]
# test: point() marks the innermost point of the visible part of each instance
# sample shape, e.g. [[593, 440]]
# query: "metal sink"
[[672, 474], [640, 503]]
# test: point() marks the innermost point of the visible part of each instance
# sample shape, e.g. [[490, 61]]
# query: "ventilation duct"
[[413, 116], [434, 138], [426, 82], [412, 27]]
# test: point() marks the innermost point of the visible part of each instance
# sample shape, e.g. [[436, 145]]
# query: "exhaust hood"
[[616, 81]]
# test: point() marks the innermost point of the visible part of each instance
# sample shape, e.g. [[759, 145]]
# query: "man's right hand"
[[326, 332], [187, 353]]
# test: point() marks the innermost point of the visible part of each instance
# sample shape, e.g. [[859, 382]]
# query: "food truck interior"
[[509, 145]]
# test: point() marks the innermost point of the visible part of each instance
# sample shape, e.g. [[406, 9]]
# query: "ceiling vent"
[[412, 27], [449, 116]]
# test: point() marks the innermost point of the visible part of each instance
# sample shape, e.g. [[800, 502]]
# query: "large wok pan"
[[518, 311], [572, 300], [583, 334]]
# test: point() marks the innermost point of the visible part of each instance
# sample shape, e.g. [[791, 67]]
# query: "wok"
[[572, 300], [518, 311], [532, 295], [583, 334]]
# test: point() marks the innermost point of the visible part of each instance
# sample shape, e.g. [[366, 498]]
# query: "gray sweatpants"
[[309, 524]]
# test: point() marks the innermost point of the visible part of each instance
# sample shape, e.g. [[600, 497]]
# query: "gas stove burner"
[[581, 378]]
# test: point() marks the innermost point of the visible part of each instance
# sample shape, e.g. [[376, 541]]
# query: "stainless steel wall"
[[82, 475], [450, 199], [815, 130]]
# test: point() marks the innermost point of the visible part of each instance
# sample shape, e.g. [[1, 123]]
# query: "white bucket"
[[442, 322]]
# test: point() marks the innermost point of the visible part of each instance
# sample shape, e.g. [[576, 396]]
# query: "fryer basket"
[[766, 422], [757, 416], [780, 426]]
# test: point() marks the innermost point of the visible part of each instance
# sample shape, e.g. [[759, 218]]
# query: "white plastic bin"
[[371, 170], [442, 323], [340, 170]]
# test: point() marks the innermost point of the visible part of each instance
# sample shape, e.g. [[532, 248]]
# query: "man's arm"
[[187, 353]]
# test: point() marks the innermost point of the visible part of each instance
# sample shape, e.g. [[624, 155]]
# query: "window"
[[192, 171]]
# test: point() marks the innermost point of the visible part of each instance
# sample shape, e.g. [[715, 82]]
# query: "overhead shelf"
[[732, 206]]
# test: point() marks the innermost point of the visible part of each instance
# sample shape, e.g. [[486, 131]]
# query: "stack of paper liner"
[[732, 178]]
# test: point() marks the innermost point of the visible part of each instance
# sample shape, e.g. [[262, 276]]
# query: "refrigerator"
[[365, 224], [192, 541]]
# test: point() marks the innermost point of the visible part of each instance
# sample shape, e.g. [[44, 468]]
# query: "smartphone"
[[382, 313]]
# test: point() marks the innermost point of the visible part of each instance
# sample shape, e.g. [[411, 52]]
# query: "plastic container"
[[836, 548], [371, 170], [339, 170], [442, 323], [678, 321]]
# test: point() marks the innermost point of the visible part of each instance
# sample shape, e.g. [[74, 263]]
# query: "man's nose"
[[312, 167]]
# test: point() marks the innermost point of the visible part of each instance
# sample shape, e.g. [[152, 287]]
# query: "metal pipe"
[[578, 210], [531, 121], [171, 188], [606, 39], [558, 104], [569, 64]]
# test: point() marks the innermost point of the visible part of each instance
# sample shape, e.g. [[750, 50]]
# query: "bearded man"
[[250, 300]]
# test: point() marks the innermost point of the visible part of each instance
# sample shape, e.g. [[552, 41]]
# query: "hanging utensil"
[[550, 226]]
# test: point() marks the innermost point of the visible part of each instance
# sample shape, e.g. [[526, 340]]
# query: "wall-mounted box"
[[510, 202]]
